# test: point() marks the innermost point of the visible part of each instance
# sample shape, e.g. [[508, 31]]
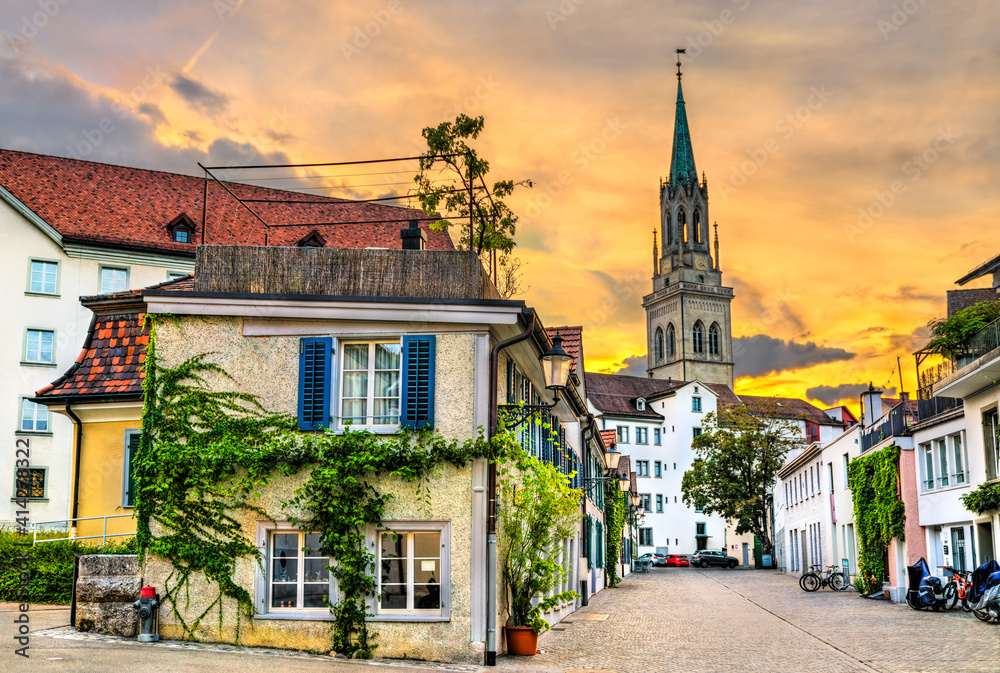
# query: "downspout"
[[491, 491], [76, 470]]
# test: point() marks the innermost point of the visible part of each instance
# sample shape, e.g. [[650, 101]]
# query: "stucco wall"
[[268, 367], [916, 542], [102, 465]]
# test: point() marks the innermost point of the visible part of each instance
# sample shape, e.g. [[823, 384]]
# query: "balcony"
[[931, 368], [981, 366], [893, 424]]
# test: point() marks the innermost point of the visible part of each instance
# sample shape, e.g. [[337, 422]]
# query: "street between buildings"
[[716, 621]]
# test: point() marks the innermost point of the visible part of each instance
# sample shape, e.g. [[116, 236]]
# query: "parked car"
[[675, 561], [705, 558], [658, 560]]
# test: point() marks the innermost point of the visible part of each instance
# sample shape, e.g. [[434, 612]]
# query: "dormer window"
[[312, 240], [640, 404], [181, 229]]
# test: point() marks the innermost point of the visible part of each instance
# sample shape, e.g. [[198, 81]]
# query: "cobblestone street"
[[715, 621]]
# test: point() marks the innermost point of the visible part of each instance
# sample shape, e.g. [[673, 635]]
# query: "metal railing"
[[985, 340], [893, 424], [104, 536]]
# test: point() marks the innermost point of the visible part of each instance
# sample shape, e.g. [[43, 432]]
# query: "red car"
[[675, 561]]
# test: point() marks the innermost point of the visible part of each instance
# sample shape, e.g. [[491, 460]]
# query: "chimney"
[[871, 405], [414, 238]]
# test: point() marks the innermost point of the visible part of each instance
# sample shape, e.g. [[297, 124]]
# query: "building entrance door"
[[958, 548], [746, 554], [985, 531], [805, 552]]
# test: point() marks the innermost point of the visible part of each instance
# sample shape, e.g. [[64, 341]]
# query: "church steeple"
[[682, 170]]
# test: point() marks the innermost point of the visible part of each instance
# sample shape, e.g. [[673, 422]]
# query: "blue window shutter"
[[416, 407], [315, 369], [590, 542]]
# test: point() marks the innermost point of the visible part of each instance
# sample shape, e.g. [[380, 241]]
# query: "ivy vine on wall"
[[204, 456], [614, 520], [879, 515]]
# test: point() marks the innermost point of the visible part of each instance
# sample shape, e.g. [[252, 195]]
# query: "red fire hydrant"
[[147, 606]]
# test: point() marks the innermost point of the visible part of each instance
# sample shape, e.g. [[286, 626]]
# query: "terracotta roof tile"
[[572, 337], [105, 367], [89, 202]]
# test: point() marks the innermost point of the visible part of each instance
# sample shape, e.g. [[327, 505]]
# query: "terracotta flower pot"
[[521, 640]]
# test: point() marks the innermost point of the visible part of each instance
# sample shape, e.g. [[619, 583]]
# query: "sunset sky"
[[852, 148]]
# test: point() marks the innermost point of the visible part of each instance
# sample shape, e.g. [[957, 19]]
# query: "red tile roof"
[[610, 438], [89, 202], [572, 337], [789, 407], [111, 362]]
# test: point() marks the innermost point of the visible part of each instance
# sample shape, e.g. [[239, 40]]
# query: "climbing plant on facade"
[[879, 515], [205, 454], [614, 519], [984, 499]]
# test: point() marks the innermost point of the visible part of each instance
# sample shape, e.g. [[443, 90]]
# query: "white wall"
[[19, 242]]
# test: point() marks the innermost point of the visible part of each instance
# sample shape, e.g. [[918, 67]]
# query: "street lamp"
[[555, 365], [625, 483], [611, 457], [636, 499]]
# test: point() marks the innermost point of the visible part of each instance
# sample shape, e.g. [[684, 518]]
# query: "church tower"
[[688, 320]]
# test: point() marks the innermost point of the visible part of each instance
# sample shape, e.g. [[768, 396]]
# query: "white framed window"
[[656, 437], [696, 404], [642, 435], [174, 275], [659, 502], [43, 276], [942, 455], [928, 467], [295, 582], [622, 431], [34, 417], [114, 279], [31, 483], [640, 404], [959, 458], [658, 469], [412, 564], [39, 346], [370, 384], [847, 461], [695, 432], [131, 446], [642, 468], [646, 537], [645, 501]]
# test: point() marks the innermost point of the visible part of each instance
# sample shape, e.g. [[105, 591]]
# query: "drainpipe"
[[491, 491], [76, 470]]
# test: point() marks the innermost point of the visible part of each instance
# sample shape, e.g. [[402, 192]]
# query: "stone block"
[[116, 619], [109, 565], [108, 589]]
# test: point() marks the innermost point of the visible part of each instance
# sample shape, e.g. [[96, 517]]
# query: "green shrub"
[[51, 565]]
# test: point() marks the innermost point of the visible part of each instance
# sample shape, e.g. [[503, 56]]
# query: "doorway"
[[958, 548], [746, 554], [804, 546], [985, 535]]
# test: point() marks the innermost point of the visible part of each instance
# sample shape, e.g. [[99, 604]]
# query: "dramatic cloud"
[[632, 366], [846, 393], [760, 355], [199, 96]]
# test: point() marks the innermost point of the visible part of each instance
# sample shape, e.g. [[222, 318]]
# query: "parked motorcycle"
[[985, 597], [926, 590]]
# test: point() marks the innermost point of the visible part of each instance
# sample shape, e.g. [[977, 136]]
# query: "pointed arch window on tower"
[[668, 232], [698, 338], [671, 340], [658, 345], [713, 339], [696, 225], [682, 224]]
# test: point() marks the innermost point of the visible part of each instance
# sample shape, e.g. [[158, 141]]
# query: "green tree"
[[452, 181], [738, 456], [950, 337]]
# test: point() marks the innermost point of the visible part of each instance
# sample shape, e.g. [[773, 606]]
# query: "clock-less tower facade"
[[688, 317]]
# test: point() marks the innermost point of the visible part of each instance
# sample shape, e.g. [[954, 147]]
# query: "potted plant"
[[538, 511]]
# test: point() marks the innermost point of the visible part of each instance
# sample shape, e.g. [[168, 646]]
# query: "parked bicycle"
[[832, 577], [959, 589]]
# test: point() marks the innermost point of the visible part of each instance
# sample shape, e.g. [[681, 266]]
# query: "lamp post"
[[555, 373]]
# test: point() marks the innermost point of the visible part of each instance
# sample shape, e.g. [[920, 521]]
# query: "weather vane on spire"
[[679, 52]]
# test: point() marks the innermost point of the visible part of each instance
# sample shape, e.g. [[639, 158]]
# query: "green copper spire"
[[682, 170]]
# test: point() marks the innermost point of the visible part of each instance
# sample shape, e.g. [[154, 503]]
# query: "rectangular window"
[[646, 536], [174, 275], [39, 346], [942, 451], [642, 468], [991, 446], [410, 572], [30, 483], [847, 461], [298, 577], [622, 434], [956, 443], [657, 469], [696, 404], [659, 502], [812, 484], [695, 432], [656, 436], [819, 477], [113, 279], [928, 467], [131, 448], [699, 529], [43, 277], [34, 417], [645, 502], [642, 435], [370, 384], [829, 467]]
